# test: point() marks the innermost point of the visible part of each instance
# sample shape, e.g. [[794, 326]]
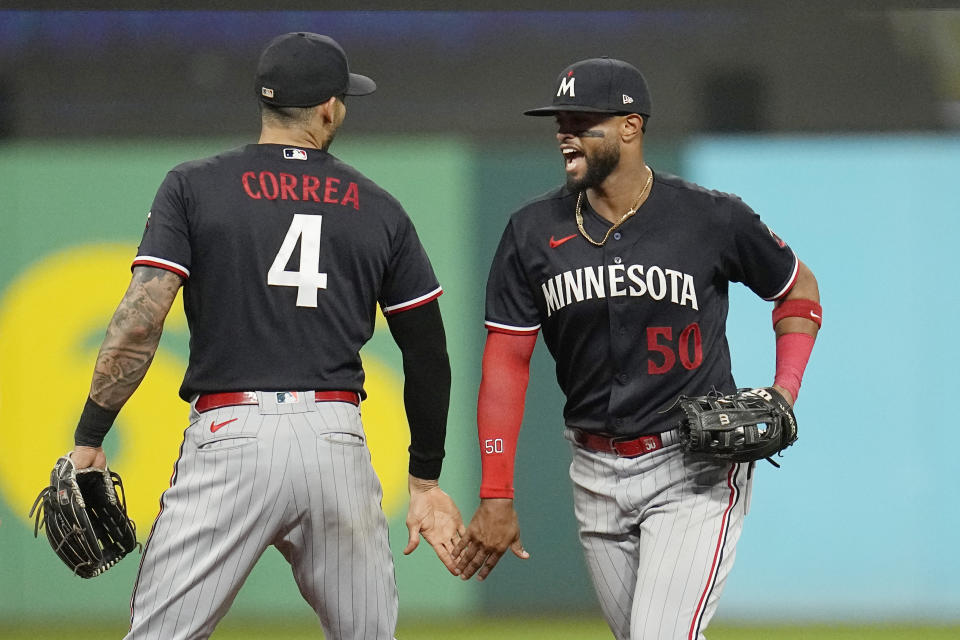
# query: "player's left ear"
[[328, 109], [631, 126]]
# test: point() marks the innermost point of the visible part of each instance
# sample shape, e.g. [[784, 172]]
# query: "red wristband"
[[798, 308], [793, 352]]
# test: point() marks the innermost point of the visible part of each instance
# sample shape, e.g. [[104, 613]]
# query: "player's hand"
[[435, 516], [494, 527], [786, 394], [85, 457]]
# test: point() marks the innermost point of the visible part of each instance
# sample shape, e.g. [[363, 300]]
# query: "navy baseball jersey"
[[285, 253], [641, 320]]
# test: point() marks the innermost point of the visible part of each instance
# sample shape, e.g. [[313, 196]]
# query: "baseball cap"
[[603, 85], [304, 69]]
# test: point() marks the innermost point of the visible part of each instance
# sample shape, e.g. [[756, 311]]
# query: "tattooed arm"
[[133, 336], [125, 355]]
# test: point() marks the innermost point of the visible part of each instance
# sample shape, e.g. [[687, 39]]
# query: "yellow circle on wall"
[[52, 319]]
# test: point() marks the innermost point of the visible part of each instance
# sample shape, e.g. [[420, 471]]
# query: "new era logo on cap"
[[266, 93], [627, 99]]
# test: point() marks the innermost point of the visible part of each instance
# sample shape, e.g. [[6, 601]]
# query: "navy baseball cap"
[[305, 69], [602, 85]]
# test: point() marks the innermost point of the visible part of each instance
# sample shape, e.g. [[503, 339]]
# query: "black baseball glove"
[[85, 518], [750, 424]]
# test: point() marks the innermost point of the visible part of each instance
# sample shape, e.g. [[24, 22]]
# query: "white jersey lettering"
[[616, 278], [587, 283], [635, 273], [594, 282], [689, 292], [573, 287], [656, 283], [550, 295]]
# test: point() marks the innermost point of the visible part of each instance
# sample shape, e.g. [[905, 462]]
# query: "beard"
[[600, 165]]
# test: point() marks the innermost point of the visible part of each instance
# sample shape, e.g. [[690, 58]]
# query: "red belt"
[[624, 448], [210, 401]]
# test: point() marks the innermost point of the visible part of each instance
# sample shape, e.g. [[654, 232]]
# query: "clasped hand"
[[492, 530]]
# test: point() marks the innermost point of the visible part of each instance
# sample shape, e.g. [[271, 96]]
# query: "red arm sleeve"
[[503, 389]]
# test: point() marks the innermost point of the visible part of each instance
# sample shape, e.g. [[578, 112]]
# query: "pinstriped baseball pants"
[[659, 534], [293, 474]]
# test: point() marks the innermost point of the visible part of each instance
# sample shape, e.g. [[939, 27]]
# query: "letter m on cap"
[[566, 87]]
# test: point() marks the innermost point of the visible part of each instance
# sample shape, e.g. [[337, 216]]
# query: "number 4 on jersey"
[[308, 279]]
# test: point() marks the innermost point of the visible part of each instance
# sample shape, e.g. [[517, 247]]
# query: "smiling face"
[[590, 144]]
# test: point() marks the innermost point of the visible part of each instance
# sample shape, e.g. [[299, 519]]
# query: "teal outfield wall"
[[858, 517], [866, 505]]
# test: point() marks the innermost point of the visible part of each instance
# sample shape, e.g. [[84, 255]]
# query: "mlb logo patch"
[[266, 93], [294, 154], [287, 397]]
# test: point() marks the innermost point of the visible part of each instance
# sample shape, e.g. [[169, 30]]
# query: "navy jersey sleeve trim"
[[412, 304], [160, 263], [792, 280], [511, 330]]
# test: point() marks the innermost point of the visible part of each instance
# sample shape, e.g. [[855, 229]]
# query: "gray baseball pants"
[[292, 473], [659, 533]]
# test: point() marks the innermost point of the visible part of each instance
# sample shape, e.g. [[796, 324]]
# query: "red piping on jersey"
[[414, 304], [717, 556], [793, 280], [146, 262], [511, 332]]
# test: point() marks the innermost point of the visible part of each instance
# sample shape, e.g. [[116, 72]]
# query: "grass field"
[[522, 629]]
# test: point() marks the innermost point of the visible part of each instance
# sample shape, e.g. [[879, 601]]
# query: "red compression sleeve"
[[503, 388], [793, 352]]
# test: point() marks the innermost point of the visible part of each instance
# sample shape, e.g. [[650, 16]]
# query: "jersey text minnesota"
[[586, 283]]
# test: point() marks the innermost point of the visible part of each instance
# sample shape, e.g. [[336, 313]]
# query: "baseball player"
[[626, 272], [283, 252]]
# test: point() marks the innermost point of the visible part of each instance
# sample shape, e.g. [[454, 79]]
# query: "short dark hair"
[[285, 116]]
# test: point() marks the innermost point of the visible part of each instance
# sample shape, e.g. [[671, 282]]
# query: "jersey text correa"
[[268, 185]]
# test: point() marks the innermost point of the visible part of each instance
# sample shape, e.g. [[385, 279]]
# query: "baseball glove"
[[85, 518], [750, 424]]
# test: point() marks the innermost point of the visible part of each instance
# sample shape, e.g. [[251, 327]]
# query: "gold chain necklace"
[[633, 210]]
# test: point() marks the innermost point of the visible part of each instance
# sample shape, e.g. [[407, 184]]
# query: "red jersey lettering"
[[246, 178], [288, 184], [267, 184], [310, 186], [330, 192], [352, 195], [271, 192]]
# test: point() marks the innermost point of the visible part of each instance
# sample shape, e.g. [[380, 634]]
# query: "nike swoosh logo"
[[214, 427], [814, 314], [556, 243]]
